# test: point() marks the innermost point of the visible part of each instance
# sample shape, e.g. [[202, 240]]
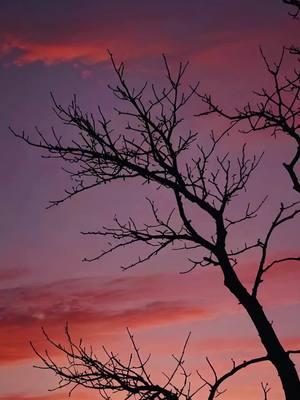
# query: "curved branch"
[[214, 387], [112, 376]]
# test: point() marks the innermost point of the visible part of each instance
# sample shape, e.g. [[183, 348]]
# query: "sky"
[[61, 47]]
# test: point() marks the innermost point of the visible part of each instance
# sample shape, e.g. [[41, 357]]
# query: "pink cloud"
[[90, 312], [87, 52], [221, 46], [17, 396], [15, 345], [97, 308], [61, 395], [101, 308], [53, 53]]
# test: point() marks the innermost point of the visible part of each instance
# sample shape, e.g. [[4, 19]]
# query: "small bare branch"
[[266, 388], [112, 376], [285, 214]]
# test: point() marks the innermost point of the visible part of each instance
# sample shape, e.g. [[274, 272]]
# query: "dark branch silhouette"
[[296, 7], [111, 376], [155, 149], [277, 110]]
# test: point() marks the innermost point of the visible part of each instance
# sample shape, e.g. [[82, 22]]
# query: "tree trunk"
[[277, 355]]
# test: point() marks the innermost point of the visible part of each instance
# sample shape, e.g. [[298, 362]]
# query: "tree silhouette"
[[277, 110], [155, 150], [296, 7]]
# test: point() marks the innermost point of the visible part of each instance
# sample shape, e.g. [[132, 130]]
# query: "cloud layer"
[[55, 34], [91, 307], [98, 308]]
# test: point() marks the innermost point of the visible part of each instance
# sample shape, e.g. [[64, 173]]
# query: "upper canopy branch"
[[155, 150], [157, 235], [277, 109]]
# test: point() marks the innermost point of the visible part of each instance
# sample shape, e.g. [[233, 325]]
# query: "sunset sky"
[[61, 47]]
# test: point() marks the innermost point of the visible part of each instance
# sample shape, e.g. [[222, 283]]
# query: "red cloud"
[[97, 309], [16, 334], [90, 312], [57, 396], [51, 53], [93, 51], [68, 43]]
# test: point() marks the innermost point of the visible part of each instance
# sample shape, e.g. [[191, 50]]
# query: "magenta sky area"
[[61, 46]]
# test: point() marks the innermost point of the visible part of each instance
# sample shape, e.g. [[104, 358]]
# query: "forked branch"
[[83, 368], [277, 109], [111, 376]]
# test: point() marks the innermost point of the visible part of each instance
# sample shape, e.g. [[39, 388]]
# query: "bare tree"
[[155, 150]]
